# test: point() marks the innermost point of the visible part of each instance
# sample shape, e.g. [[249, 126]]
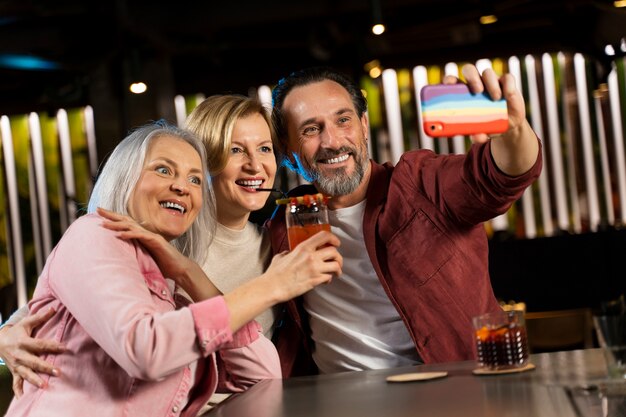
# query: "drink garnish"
[[306, 199]]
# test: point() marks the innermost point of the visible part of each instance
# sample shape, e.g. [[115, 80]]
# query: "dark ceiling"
[[228, 46]]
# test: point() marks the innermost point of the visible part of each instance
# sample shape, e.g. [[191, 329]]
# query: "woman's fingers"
[[319, 239], [22, 352], [18, 385], [39, 346], [111, 215], [33, 320], [119, 222], [24, 373], [126, 227], [331, 255], [31, 348], [321, 256], [28, 347], [26, 361]]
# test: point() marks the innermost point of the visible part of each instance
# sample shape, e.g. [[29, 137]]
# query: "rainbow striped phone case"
[[450, 109]]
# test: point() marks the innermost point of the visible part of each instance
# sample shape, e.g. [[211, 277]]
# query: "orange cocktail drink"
[[305, 216], [297, 233]]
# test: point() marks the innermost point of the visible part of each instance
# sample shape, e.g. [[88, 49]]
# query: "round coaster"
[[416, 376], [481, 371]]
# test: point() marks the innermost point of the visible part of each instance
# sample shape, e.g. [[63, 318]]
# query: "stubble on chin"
[[337, 181]]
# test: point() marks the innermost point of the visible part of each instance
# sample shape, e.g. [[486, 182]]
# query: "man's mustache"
[[331, 153]]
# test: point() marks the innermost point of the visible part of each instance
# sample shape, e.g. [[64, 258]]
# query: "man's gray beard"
[[339, 183]]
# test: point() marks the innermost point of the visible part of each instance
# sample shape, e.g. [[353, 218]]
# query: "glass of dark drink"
[[501, 340]]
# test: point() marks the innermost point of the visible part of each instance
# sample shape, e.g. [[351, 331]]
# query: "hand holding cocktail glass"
[[305, 216]]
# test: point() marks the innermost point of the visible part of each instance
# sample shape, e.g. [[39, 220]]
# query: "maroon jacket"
[[424, 233]]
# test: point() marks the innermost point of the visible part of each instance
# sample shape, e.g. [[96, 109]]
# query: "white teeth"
[[250, 183], [336, 160], [169, 204]]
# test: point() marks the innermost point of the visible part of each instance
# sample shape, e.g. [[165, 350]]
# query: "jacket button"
[[175, 409], [163, 293]]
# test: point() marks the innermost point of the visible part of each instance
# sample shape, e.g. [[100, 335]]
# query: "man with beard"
[[412, 236]]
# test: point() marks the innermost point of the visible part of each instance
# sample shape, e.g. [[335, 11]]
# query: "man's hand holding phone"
[[451, 109], [499, 89], [516, 149]]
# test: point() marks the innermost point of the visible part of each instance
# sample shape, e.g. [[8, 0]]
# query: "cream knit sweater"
[[236, 256]]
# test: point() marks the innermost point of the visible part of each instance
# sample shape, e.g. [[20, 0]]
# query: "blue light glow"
[[27, 62]]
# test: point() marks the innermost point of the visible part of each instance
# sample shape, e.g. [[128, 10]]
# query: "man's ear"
[[365, 125]]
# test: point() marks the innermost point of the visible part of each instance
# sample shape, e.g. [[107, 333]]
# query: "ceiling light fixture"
[[373, 68], [488, 19], [487, 13], [609, 50], [378, 28], [138, 87], [134, 73]]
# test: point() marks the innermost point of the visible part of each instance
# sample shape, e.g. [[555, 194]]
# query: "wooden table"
[[563, 384]]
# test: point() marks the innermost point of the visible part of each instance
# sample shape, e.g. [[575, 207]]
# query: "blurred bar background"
[[559, 247]]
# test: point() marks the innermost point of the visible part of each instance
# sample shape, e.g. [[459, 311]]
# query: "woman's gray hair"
[[120, 174]]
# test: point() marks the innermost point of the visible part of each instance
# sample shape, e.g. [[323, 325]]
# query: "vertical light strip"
[[394, 117], [618, 137], [443, 147], [530, 226], [434, 76], [265, 96], [500, 222], [554, 136], [15, 248], [34, 214], [420, 79], [199, 99], [604, 159], [572, 183], [483, 64], [180, 108], [537, 124], [69, 181], [40, 181], [585, 130], [458, 141], [90, 132]]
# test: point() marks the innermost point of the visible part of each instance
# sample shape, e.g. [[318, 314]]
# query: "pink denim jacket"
[[129, 341]]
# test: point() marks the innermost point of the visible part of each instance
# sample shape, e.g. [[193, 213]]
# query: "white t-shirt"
[[354, 324]]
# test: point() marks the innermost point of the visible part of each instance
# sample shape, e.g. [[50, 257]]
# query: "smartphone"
[[450, 109]]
